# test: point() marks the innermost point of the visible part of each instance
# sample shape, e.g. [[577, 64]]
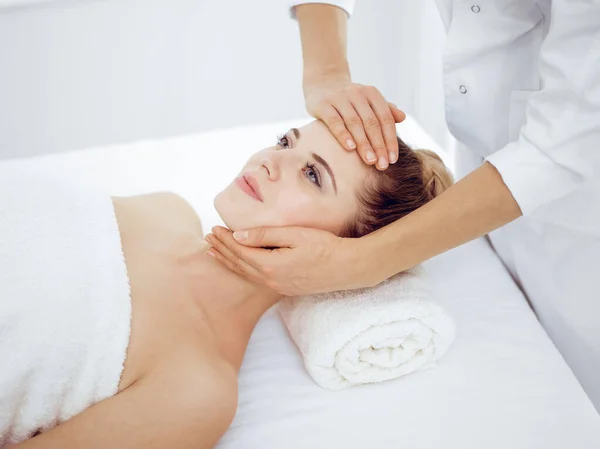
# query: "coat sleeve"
[[346, 5], [558, 147]]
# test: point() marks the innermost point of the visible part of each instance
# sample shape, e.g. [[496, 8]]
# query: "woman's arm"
[[474, 206], [323, 35], [165, 412]]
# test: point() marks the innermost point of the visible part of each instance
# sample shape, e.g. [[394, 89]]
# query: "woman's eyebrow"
[[324, 163], [319, 159]]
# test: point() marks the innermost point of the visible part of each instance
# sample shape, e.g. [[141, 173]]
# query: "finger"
[[399, 115], [261, 237], [372, 129], [218, 245], [237, 250], [213, 252], [388, 124], [355, 126], [336, 125], [234, 262], [261, 260]]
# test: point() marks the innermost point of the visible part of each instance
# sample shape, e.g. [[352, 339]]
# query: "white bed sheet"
[[503, 384]]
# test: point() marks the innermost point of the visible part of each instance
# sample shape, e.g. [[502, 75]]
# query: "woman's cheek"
[[306, 211], [296, 209]]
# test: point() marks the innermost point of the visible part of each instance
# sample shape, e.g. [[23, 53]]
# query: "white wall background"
[[81, 73]]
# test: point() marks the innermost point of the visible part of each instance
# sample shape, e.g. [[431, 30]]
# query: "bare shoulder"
[[168, 206]]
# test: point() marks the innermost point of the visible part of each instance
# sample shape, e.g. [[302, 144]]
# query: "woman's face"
[[307, 179]]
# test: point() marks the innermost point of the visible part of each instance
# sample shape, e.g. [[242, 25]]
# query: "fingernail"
[[210, 253], [350, 144], [371, 156], [394, 105], [382, 163], [240, 235], [393, 157]]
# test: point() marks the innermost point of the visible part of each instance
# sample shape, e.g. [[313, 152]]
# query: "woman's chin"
[[231, 220], [233, 215], [229, 224]]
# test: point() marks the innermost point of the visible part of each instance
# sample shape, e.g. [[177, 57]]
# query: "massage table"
[[503, 384]]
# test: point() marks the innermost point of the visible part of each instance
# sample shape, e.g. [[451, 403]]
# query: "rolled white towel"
[[369, 335]]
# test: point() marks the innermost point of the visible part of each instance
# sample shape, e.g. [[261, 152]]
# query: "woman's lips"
[[249, 185]]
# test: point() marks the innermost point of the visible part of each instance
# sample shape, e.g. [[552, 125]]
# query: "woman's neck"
[[231, 304]]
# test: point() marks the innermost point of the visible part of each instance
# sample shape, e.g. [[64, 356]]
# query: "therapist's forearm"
[[474, 206], [323, 36]]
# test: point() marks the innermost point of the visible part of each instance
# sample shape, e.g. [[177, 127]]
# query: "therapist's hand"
[[305, 260], [358, 116]]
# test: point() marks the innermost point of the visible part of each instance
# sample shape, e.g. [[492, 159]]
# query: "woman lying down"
[[118, 330]]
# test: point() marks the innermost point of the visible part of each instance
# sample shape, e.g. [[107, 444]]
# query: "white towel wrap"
[[369, 335], [64, 302]]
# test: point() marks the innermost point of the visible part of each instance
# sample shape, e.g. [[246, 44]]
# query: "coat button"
[[475, 9], [462, 89]]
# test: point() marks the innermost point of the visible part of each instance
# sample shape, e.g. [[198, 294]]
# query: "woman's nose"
[[273, 166]]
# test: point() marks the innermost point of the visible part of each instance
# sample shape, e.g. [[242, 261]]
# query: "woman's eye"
[[283, 142], [312, 174]]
